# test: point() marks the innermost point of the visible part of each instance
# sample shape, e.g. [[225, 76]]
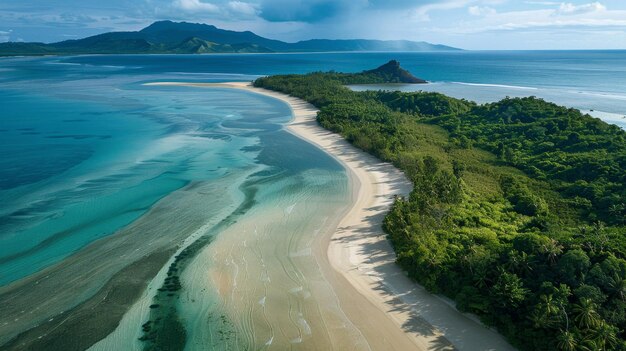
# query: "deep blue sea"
[[86, 149]]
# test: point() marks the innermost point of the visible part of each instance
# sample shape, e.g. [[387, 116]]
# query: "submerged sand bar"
[[390, 311]]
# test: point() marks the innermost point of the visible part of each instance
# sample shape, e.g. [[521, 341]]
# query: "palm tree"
[[566, 341], [585, 314], [552, 249], [616, 210], [481, 277], [550, 306], [519, 262], [545, 314], [538, 319], [618, 287], [587, 345], [604, 336]]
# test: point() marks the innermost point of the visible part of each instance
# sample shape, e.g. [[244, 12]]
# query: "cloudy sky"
[[469, 24]]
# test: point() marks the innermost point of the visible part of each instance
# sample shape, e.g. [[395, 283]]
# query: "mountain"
[[173, 32], [167, 37], [392, 72]]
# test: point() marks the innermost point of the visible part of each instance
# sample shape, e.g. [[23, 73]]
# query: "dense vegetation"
[[517, 212]]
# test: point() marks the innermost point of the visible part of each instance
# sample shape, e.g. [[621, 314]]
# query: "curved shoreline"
[[390, 310]]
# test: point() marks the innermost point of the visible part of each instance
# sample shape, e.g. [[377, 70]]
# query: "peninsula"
[[517, 210]]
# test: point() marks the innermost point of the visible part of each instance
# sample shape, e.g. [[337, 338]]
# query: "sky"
[[468, 24]]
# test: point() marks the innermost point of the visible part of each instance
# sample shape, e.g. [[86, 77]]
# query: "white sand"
[[390, 310]]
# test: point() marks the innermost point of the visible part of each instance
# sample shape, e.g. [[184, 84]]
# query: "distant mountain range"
[[167, 37]]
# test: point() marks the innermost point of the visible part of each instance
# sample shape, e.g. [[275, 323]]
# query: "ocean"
[[88, 150], [592, 81]]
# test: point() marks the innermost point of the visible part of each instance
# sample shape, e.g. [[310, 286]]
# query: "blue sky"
[[470, 24]]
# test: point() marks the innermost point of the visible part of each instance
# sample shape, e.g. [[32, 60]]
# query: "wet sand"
[[371, 303], [262, 274], [94, 319]]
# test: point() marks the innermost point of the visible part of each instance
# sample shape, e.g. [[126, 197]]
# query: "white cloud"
[[196, 6], [592, 16], [571, 9], [198, 9], [422, 12], [243, 8], [545, 3], [481, 10]]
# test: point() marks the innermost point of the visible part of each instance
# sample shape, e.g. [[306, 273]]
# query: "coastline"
[[391, 311]]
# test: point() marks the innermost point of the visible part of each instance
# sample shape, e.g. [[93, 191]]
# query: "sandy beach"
[[389, 310]]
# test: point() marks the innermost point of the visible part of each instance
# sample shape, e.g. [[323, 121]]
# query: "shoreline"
[[391, 311]]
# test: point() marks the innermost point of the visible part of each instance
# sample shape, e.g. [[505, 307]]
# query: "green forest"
[[518, 209]]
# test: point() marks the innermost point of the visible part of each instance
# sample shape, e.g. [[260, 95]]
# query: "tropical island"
[[517, 210], [167, 37]]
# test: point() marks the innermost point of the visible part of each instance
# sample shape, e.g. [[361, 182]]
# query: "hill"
[[391, 72], [167, 37]]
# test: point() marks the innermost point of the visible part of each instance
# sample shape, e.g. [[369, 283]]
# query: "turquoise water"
[[90, 157], [87, 149]]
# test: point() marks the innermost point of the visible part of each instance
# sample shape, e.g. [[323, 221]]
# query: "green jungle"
[[518, 209]]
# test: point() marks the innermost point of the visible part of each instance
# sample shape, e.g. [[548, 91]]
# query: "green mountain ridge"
[[167, 37]]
